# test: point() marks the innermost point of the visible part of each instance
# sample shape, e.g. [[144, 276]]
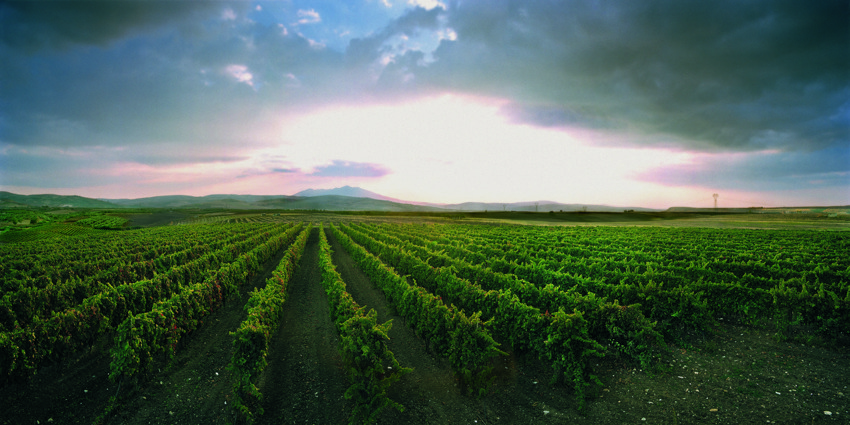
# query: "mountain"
[[12, 200], [344, 198], [341, 203], [354, 192]]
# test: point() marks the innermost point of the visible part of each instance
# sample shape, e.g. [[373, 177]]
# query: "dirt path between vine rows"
[[304, 381]]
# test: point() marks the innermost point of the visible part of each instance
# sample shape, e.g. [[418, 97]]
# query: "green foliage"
[[679, 312], [142, 338], [630, 291], [19, 216], [673, 283], [626, 333], [466, 341], [570, 349], [526, 327], [370, 366], [251, 340], [103, 222], [470, 352]]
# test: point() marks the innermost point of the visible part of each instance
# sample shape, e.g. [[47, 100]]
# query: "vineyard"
[[267, 318]]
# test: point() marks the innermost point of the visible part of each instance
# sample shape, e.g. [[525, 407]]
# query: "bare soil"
[[304, 381]]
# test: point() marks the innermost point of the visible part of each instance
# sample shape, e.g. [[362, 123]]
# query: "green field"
[[286, 317]]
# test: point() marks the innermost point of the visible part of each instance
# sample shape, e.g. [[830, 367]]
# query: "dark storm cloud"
[[35, 25], [762, 172], [558, 115], [718, 75], [708, 75], [161, 88]]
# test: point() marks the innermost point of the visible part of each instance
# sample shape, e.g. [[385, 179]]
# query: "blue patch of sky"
[[340, 22]]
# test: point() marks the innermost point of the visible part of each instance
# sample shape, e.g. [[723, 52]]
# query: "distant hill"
[[715, 210], [769, 210], [202, 202], [540, 206], [306, 200], [12, 200], [6, 203], [344, 198]]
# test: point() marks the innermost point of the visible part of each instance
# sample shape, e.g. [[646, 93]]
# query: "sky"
[[640, 103]]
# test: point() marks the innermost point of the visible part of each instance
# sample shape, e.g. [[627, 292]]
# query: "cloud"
[[292, 81], [266, 172], [555, 115], [760, 171], [163, 89], [761, 88], [69, 167], [349, 169], [711, 77], [228, 14], [33, 25], [52, 167], [716, 76], [308, 17], [427, 4], [240, 73], [367, 50]]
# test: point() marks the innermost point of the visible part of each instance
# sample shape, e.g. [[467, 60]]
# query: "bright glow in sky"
[[629, 104], [453, 149]]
